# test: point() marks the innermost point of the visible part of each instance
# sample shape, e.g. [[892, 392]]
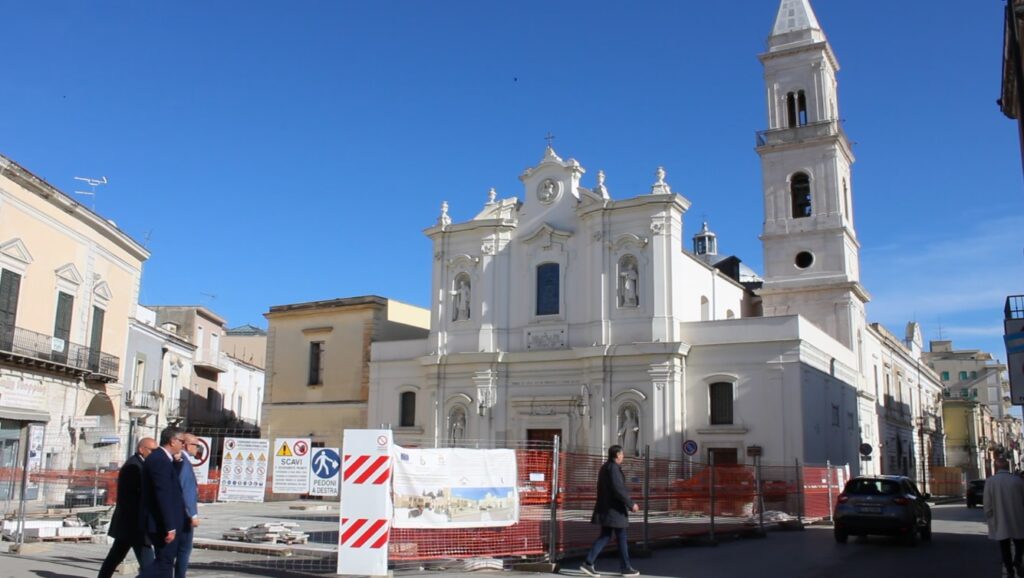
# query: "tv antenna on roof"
[[92, 183]]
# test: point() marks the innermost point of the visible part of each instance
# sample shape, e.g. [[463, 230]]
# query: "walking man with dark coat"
[[126, 523], [190, 493], [612, 512], [163, 508]]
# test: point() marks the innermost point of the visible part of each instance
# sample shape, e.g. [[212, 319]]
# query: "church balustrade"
[[779, 136]]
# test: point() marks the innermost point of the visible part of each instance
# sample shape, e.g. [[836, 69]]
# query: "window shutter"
[[10, 286]]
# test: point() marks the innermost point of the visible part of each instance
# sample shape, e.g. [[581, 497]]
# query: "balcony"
[[145, 401], [782, 136], [177, 408], [960, 393], [210, 360], [24, 346]]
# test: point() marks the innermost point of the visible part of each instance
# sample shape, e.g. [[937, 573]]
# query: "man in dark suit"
[[611, 511], [126, 523], [163, 508]]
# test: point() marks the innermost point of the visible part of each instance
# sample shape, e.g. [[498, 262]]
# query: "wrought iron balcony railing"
[[26, 343], [147, 400]]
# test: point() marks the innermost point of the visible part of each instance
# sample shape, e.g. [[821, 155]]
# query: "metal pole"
[[711, 489], [95, 484], [828, 484], [799, 493], [647, 494], [24, 489], [760, 492], [553, 533]]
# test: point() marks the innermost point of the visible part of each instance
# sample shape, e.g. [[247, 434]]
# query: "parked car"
[[886, 505], [85, 496], [975, 493]]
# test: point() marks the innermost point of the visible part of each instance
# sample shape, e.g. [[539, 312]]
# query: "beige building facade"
[[318, 362], [198, 401], [69, 284]]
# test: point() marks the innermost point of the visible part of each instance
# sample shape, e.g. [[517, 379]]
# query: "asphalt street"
[[959, 547]]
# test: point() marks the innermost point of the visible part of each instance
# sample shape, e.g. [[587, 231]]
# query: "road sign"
[[326, 464], [85, 421], [689, 447], [291, 466]]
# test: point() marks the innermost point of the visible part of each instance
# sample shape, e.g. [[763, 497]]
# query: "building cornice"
[[30, 182]]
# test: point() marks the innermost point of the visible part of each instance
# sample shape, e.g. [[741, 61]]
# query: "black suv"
[[975, 493], [882, 505]]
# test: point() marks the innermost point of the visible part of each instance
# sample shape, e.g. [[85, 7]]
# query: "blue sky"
[[272, 153]]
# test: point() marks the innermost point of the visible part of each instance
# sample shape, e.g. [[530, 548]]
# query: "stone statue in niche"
[[629, 430], [461, 300], [457, 425], [628, 295]]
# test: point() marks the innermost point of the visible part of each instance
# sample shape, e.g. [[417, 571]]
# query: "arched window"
[[407, 417], [547, 289], [720, 395], [846, 199], [629, 277], [705, 309], [800, 190], [791, 110], [801, 105]]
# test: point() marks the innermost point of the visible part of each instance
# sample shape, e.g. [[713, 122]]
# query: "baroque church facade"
[[568, 312]]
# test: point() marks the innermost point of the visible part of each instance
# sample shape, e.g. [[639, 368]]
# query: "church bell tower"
[[812, 266]]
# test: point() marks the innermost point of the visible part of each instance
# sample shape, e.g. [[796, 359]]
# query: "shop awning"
[[18, 414]]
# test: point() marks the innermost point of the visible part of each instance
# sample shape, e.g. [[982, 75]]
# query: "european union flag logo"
[[405, 457]]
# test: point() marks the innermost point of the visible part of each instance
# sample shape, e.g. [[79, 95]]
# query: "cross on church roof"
[[550, 138]]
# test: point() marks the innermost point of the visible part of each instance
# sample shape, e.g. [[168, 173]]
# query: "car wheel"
[[911, 537], [970, 504], [926, 532], [840, 536]]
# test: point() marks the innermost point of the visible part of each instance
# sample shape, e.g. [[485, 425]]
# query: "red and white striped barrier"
[[364, 532], [365, 469]]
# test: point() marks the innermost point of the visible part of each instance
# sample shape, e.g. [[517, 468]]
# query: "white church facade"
[[569, 312]]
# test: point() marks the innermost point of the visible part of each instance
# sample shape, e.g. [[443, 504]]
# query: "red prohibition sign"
[[300, 448], [204, 453]]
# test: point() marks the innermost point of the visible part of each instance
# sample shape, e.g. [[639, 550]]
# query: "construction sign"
[[243, 472], [326, 464], [291, 466], [365, 523]]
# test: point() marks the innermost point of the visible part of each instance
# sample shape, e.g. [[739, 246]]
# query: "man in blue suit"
[[163, 507], [190, 494]]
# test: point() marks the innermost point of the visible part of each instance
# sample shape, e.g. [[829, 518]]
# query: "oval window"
[[804, 259]]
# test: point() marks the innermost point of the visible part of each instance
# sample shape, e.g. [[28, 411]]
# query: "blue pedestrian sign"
[[324, 466], [689, 447], [326, 463]]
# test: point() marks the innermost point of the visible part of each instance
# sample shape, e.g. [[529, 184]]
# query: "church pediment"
[[15, 249], [546, 235]]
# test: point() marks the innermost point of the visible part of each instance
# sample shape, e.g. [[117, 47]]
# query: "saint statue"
[[629, 430], [457, 425], [461, 300]]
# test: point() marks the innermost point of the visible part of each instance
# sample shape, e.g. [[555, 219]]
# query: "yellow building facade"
[[318, 357], [69, 283]]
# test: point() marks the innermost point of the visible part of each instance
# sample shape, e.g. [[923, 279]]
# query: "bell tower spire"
[[811, 259]]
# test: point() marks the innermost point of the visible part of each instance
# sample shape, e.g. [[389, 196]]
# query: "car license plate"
[[870, 509]]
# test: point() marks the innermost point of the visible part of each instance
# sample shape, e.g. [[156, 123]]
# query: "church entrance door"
[[724, 456], [543, 438]]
